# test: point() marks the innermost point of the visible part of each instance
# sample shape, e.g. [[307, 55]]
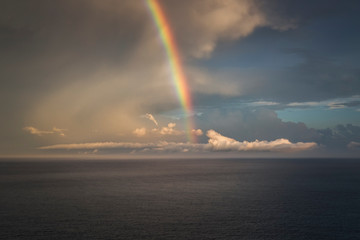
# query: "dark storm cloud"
[[340, 136], [316, 77], [309, 10], [319, 77], [315, 61]]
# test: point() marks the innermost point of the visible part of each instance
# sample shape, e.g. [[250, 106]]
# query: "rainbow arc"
[[174, 58]]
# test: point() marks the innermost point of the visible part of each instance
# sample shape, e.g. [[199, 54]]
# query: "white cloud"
[[304, 104], [222, 143], [335, 105], [264, 103], [35, 131], [59, 131], [151, 118], [140, 132]]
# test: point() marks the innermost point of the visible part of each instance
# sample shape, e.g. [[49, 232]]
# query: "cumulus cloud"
[[140, 132], [169, 130], [197, 132], [216, 142], [151, 118], [35, 131], [222, 143]]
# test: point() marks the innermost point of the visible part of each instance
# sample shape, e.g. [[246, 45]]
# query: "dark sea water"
[[180, 199]]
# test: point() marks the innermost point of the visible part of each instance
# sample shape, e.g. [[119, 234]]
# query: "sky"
[[260, 78]]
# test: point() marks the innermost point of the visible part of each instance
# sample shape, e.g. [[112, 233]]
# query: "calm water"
[[180, 199]]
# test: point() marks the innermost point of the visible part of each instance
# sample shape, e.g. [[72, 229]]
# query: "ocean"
[[180, 199]]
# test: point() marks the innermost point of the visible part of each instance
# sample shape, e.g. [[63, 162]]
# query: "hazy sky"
[[267, 78]]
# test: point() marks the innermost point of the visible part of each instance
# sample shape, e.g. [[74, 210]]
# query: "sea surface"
[[180, 199]]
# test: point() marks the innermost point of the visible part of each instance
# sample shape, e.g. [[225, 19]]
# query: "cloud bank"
[[216, 142]]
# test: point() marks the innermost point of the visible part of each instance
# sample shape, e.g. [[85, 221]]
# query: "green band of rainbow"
[[172, 52]]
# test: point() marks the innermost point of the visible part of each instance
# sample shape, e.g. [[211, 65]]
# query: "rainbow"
[[178, 77]]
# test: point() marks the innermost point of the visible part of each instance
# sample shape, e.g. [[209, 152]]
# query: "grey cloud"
[[345, 104], [340, 136], [321, 78], [316, 78], [334, 103], [203, 24]]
